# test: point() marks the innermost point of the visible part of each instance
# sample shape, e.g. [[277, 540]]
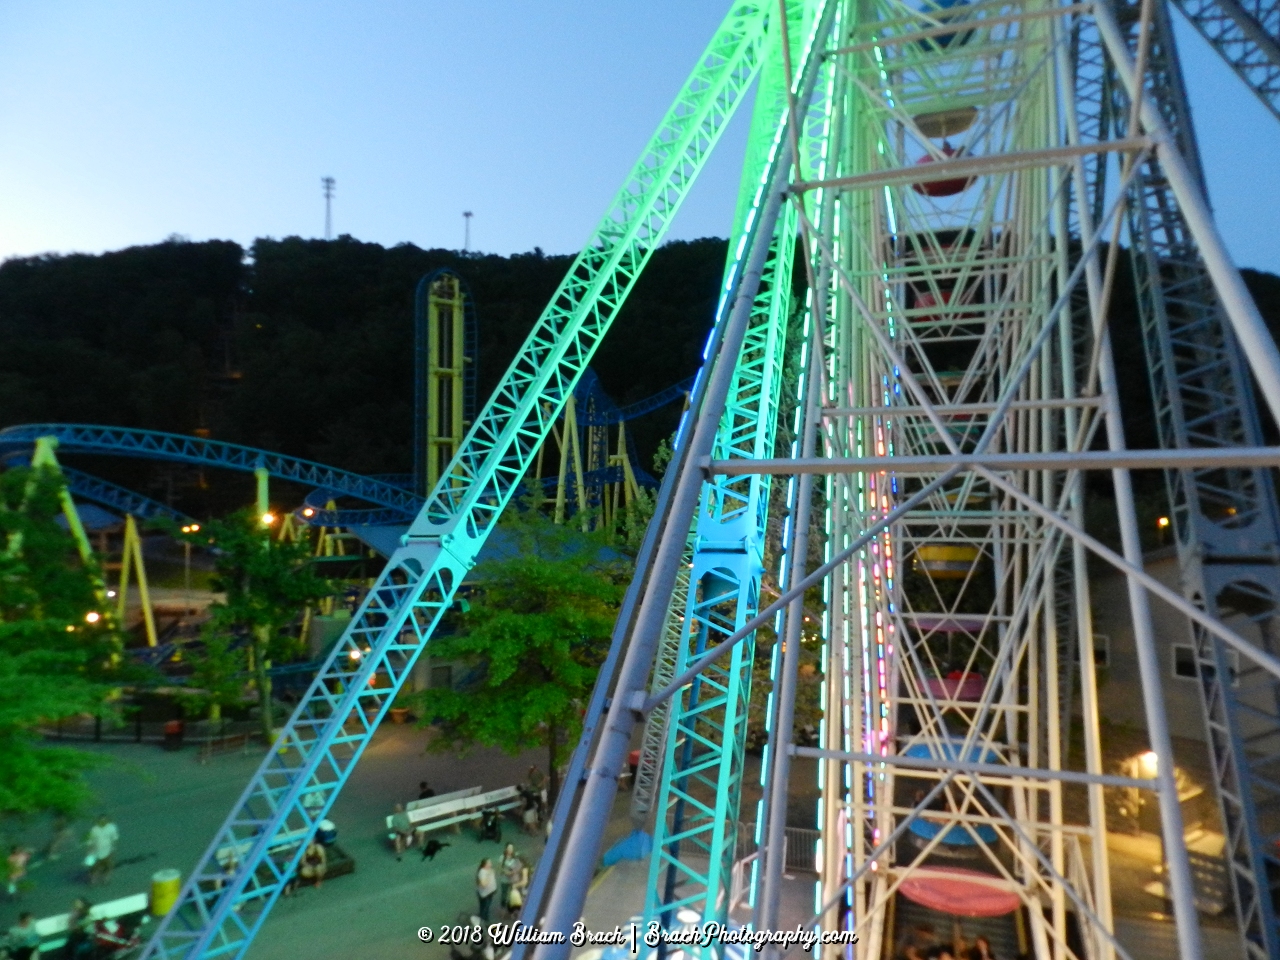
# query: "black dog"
[[432, 848]]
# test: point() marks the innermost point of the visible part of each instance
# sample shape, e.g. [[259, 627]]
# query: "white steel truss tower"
[[945, 177]]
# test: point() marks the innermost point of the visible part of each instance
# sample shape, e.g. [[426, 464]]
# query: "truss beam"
[[1203, 399], [217, 915], [1247, 36]]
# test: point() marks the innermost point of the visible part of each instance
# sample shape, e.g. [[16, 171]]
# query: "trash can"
[[327, 833], [165, 885], [173, 732]]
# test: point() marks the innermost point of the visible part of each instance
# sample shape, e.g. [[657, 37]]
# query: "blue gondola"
[[956, 835]]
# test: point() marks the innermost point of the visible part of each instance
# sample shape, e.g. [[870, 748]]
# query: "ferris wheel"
[[884, 464]]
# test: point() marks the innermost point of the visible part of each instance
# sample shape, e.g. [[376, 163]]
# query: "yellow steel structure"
[[131, 555], [44, 456], [445, 373]]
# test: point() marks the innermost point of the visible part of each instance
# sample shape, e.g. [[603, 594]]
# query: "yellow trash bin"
[[165, 885]]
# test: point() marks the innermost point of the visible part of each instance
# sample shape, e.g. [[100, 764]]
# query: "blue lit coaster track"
[[393, 502]]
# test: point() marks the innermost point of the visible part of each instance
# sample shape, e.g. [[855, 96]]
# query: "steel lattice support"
[[771, 310], [955, 372], [1247, 36], [217, 914], [939, 306], [696, 817], [698, 807], [649, 770], [943, 331], [1225, 521]]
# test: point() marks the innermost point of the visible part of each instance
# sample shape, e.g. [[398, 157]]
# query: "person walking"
[[486, 887], [16, 868], [424, 790], [538, 786], [24, 938], [102, 841]]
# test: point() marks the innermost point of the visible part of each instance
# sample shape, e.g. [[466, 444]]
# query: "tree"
[[267, 583], [218, 675], [59, 653], [538, 629]]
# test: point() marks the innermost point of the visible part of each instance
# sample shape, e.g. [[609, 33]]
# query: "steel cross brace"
[[1247, 36], [237, 880], [1225, 521]]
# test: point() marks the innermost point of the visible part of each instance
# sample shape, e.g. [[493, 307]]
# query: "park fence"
[[95, 729]]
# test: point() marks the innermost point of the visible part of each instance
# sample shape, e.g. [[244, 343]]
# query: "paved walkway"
[[168, 806]]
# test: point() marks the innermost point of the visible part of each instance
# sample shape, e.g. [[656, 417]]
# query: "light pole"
[[186, 561], [466, 231]]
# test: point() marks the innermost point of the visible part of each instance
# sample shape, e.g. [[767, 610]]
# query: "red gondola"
[[943, 188]]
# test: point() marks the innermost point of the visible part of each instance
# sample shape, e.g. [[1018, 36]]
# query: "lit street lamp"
[[186, 561]]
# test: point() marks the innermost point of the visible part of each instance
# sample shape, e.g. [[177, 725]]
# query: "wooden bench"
[[445, 811], [225, 744], [338, 863], [53, 930], [236, 852], [421, 811], [443, 798]]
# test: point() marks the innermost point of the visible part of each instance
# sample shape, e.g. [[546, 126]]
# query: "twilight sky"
[[126, 122]]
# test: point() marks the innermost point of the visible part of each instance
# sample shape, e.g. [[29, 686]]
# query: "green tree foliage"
[[54, 663], [538, 628], [809, 679], [268, 583], [218, 675]]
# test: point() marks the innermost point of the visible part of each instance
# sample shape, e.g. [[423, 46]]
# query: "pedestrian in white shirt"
[[486, 887], [103, 837]]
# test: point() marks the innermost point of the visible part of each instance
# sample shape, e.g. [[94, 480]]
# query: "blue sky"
[[126, 122]]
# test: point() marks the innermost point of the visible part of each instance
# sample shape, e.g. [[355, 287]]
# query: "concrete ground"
[[168, 806]]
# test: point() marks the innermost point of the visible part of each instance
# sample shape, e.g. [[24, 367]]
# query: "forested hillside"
[[305, 346], [302, 346]]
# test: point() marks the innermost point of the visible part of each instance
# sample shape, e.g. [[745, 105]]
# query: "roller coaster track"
[[175, 448], [88, 487], [397, 504], [595, 408], [220, 910]]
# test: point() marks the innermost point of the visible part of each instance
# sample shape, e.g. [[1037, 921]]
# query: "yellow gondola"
[[944, 561]]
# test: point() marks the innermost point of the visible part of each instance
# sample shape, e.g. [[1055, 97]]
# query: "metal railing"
[[801, 847]]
